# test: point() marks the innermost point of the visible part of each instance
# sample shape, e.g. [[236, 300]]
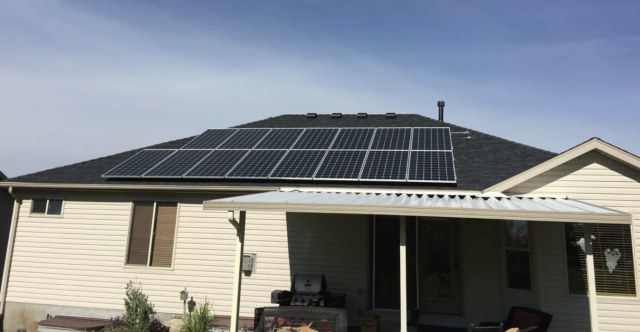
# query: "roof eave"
[[67, 186]]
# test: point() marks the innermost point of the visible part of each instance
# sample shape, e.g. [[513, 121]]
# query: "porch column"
[[237, 272], [591, 278], [403, 274]]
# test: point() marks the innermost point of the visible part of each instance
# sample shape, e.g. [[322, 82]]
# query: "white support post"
[[237, 273], [591, 278], [403, 275]]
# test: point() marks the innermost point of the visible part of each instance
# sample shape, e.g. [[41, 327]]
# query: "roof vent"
[[390, 115], [312, 115], [441, 111], [362, 115], [336, 115]]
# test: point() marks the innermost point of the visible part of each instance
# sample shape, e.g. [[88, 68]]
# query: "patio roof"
[[428, 205]]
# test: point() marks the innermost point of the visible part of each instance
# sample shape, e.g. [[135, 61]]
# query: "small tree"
[[138, 310]]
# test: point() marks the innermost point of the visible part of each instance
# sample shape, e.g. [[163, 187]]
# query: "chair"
[[524, 319]]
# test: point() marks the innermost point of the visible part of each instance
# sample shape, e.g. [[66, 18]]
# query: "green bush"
[[199, 320], [139, 312]]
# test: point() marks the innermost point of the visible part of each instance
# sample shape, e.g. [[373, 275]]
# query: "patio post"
[[591, 278], [403, 274], [237, 272]]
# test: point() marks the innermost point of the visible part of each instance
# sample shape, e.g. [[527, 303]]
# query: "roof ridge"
[[100, 158]]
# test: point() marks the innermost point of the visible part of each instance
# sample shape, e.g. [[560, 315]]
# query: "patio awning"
[[428, 205]]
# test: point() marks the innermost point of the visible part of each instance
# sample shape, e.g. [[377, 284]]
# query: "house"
[[507, 228]]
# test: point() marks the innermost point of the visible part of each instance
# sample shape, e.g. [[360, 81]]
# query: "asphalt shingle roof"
[[481, 161]]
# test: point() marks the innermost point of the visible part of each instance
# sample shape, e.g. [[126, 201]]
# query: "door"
[[433, 280], [439, 290]]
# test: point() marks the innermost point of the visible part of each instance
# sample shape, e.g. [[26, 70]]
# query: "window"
[[52, 207], [612, 257], [152, 234], [517, 256]]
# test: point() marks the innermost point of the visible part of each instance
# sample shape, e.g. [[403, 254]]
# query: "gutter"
[[9, 255], [134, 187]]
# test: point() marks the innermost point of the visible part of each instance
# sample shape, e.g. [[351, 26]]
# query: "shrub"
[[138, 310], [116, 324], [199, 320], [157, 326]]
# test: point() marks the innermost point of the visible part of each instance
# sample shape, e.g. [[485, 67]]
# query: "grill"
[[308, 290]]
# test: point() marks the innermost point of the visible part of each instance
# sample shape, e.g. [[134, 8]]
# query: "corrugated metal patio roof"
[[432, 205]]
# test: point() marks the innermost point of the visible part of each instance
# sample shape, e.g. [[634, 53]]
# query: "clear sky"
[[85, 79]]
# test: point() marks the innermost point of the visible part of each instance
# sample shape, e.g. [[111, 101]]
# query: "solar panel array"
[[340, 154]]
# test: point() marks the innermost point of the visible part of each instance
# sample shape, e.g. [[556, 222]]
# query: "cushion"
[[523, 319]]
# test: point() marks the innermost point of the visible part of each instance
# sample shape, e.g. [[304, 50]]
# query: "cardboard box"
[[369, 323]]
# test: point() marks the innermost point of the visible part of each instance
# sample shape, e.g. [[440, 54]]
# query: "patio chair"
[[524, 319]]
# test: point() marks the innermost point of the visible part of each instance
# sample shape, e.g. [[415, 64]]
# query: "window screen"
[[46, 206], [38, 205], [612, 256], [152, 228]]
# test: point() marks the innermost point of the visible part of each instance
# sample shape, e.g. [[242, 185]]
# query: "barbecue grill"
[[308, 290]]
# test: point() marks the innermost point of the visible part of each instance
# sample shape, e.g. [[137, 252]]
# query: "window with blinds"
[[612, 256], [152, 234]]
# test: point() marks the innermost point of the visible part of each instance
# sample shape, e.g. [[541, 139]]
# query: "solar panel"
[[244, 139], [341, 165], [178, 164], [257, 164], [433, 139], [298, 164], [280, 139], [432, 166], [385, 166], [316, 139], [353, 139], [392, 139], [366, 154], [210, 139], [217, 164], [140, 163]]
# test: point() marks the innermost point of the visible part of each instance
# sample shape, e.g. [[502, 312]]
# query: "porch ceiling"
[[428, 205]]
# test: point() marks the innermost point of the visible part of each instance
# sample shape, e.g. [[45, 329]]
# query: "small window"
[[51, 207], [152, 234], [612, 258], [517, 255]]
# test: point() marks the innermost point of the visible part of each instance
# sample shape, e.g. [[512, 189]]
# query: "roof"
[[555, 209], [481, 161], [2, 176]]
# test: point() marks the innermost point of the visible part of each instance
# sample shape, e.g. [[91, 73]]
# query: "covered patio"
[[446, 205]]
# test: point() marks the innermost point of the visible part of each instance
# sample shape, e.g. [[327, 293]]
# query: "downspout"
[[9, 256]]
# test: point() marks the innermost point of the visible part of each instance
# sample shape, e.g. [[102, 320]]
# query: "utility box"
[[249, 263]]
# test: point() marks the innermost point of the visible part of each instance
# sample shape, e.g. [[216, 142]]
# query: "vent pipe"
[[336, 115], [441, 111]]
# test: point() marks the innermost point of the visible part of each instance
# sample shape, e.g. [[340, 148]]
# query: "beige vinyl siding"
[[79, 259], [600, 180], [285, 244]]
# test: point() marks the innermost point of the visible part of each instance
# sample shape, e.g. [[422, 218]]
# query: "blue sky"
[[85, 79]]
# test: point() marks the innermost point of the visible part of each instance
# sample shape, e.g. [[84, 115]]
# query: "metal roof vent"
[[336, 115], [312, 115], [390, 115], [362, 115]]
